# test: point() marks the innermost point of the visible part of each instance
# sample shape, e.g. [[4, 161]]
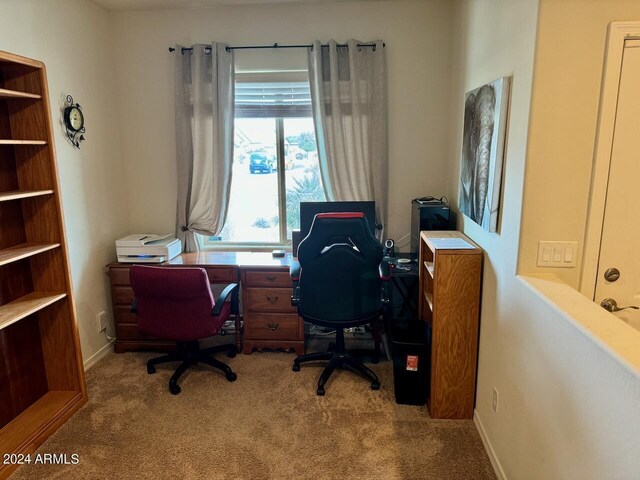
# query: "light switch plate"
[[557, 254]]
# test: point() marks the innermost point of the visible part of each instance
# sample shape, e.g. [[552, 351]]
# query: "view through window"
[[275, 167]]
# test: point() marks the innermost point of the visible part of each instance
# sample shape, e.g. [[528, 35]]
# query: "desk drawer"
[[119, 276], [128, 331], [259, 278], [221, 274], [122, 314], [265, 326], [269, 300], [122, 295]]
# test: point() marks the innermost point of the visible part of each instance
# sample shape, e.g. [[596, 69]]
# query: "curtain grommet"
[[184, 229]]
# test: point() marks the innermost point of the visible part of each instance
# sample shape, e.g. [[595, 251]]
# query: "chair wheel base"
[[231, 376], [151, 369], [231, 353], [296, 367], [375, 386], [320, 391], [174, 389]]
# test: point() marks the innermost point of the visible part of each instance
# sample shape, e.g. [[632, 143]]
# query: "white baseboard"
[[99, 355], [497, 468]]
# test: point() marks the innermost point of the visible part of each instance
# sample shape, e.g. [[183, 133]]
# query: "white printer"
[[147, 248]]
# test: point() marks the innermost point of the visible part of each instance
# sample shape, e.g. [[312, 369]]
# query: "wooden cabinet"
[[450, 287], [126, 323], [269, 319], [41, 372]]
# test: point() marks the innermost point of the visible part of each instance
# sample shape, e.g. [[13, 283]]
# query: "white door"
[[620, 245]]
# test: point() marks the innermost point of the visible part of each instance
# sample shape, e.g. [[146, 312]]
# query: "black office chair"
[[339, 282]]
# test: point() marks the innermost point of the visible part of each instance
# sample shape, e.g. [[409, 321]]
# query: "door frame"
[[617, 33]]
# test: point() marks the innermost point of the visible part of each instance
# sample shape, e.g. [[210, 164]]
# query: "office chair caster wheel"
[[231, 377], [231, 353], [320, 391], [174, 389], [151, 369], [375, 386], [296, 367]]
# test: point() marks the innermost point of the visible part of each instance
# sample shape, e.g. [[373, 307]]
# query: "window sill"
[[243, 247]]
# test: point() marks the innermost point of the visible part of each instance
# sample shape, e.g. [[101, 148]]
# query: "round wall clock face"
[[75, 119]]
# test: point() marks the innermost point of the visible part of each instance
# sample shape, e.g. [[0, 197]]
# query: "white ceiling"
[[165, 4]]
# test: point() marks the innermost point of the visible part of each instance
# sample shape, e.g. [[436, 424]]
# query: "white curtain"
[[348, 95], [204, 139]]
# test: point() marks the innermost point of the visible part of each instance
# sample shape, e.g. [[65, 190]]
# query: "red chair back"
[[175, 303]]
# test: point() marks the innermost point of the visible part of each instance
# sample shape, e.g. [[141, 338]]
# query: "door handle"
[[610, 305]]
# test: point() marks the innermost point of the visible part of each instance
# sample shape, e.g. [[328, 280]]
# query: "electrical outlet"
[[495, 399], [102, 321]]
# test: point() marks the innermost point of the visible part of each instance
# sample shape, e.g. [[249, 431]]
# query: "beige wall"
[[73, 38], [564, 112], [567, 407], [416, 34]]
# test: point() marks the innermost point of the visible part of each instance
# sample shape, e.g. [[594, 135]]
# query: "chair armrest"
[[134, 306], [230, 290], [385, 271], [385, 275], [294, 272]]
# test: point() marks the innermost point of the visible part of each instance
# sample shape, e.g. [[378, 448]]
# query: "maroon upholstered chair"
[[177, 304]]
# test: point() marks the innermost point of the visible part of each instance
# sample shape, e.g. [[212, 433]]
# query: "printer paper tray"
[[142, 258]]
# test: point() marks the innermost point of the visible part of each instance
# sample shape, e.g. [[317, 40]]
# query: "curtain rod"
[[275, 45]]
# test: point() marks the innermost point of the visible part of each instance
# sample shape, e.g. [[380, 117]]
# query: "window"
[[275, 161]]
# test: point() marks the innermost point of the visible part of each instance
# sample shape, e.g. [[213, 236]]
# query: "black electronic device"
[[429, 213], [308, 211]]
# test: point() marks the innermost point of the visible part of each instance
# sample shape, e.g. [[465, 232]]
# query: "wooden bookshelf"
[[450, 281], [41, 373]]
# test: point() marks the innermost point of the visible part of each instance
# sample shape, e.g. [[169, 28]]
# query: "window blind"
[[272, 99]]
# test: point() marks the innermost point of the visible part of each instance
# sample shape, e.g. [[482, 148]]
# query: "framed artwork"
[[485, 122]]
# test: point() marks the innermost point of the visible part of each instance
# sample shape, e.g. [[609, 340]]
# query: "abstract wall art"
[[485, 121]]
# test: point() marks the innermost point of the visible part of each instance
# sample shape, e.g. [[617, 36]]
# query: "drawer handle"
[[271, 278], [273, 326], [272, 299]]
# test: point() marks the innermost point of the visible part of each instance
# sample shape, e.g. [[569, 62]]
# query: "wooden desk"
[[269, 320]]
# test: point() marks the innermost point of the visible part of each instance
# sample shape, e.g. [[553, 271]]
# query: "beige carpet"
[[268, 424]]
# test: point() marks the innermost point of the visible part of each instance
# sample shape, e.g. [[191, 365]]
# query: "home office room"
[[318, 239]]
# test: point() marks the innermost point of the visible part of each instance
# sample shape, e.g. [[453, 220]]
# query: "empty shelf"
[[428, 297], [22, 142], [24, 250], [5, 93], [25, 306], [18, 194], [429, 267], [35, 419]]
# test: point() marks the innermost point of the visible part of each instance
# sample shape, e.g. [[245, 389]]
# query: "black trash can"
[[410, 349]]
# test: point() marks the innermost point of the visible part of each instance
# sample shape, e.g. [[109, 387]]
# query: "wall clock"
[[74, 121]]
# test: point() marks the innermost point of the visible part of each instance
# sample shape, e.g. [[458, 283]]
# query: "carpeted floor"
[[268, 424]]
